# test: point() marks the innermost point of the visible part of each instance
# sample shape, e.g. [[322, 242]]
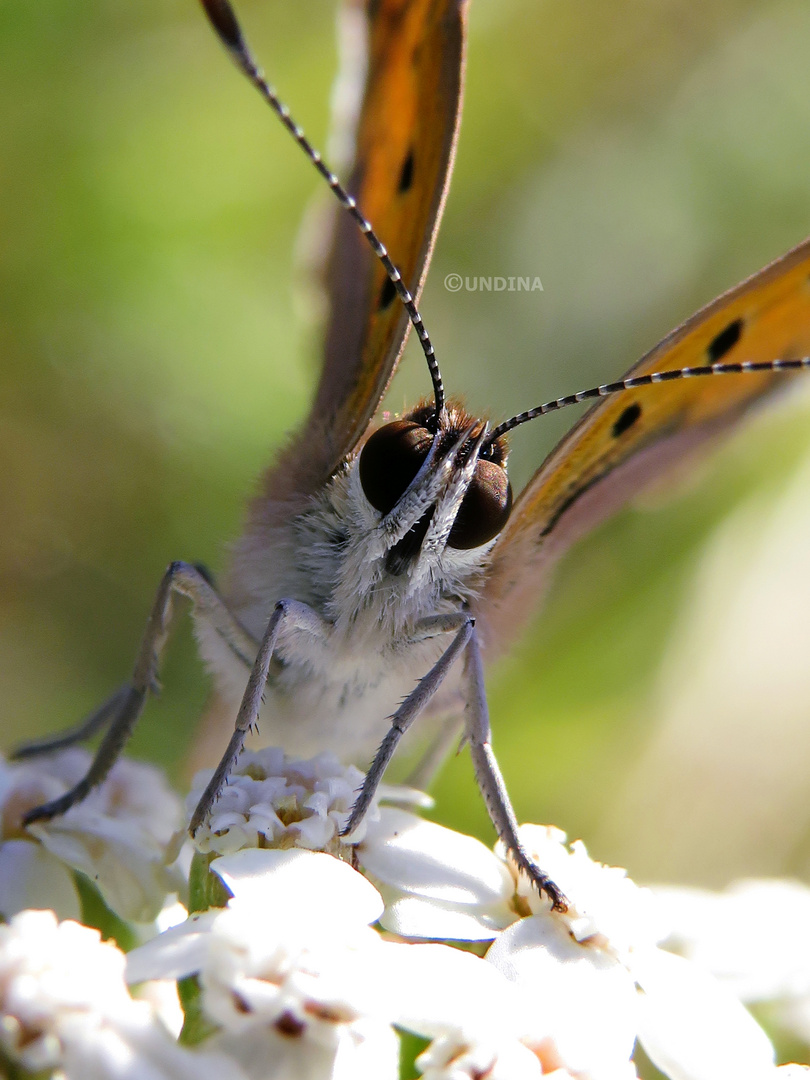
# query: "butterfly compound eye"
[[390, 460], [484, 509]]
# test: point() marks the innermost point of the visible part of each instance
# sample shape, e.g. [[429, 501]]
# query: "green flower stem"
[[196, 1026], [205, 889]]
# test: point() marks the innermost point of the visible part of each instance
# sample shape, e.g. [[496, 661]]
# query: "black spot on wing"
[[627, 419], [724, 341], [406, 173], [387, 294]]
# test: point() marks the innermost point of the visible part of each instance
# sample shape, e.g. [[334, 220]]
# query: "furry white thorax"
[[338, 692]]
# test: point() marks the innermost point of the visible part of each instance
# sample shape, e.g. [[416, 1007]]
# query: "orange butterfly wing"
[[629, 440], [404, 147]]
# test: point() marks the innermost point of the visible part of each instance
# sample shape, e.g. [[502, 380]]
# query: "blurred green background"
[[638, 158]]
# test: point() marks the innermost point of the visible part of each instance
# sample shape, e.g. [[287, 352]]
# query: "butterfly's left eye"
[[484, 509], [390, 460]]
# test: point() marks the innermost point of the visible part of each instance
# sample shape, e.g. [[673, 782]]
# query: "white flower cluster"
[[754, 937], [281, 801], [64, 1005], [118, 837], [316, 964]]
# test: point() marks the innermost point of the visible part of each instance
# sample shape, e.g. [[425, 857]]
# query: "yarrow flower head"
[[289, 967], [290, 971], [598, 977], [301, 986], [64, 1005], [279, 801], [436, 883], [606, 909], [117, 837]]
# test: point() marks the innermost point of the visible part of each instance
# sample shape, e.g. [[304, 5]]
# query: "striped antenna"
[[608, 389], [224, 21]]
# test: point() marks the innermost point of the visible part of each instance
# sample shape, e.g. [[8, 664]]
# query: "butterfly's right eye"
[[390, 460]]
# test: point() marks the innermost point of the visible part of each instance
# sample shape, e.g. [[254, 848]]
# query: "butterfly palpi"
[[381, 566]]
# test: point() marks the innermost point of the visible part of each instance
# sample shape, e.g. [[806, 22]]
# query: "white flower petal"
[[164, 1000], [64, 1006], [450, 1058], [752, 935], [303, 884], [118, 836], [31, 878], [369, 1052], [402, 795], [579, 996], [177, 952], [415, 917], [171, 914], [420, 857], [275, 893], [433, 990], [138, 1049], [692, 1027], [130, 875]]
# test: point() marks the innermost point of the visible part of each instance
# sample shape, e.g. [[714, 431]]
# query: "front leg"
[[476, 733], [488, 774], [288, 615], [120, 712]]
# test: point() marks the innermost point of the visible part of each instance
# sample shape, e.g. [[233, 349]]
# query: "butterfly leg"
[[288, 616], [121, 711], [97, 721], [408, 711], [488, 774]]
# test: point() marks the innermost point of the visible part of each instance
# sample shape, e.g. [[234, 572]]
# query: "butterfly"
[[382, 565]]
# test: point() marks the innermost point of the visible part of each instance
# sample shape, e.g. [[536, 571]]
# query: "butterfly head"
[[438, 485]]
